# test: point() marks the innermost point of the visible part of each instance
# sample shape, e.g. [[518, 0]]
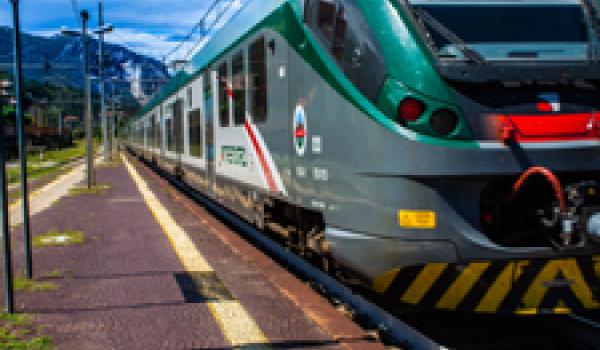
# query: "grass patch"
[[54, 274], [26, 285], [17, 332], [94, 190], [110, 164], [52, 161], [55, 238]]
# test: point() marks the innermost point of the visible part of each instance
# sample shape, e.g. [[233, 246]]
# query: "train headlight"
[[409, 110], [443, 122]]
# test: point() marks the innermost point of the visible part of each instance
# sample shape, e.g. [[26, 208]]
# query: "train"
[[445, 152]]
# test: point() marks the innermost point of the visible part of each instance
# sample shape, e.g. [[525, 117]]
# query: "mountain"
[[58, 61]]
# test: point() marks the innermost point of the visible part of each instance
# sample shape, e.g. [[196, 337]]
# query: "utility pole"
[[113, 119], [4, 225], [18, 78], [60, 121], [91, 172], [103, 116], [85, 16]]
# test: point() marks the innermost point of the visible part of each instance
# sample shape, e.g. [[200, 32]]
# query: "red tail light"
[[410, 109]]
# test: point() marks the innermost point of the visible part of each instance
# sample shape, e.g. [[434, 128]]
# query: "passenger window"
[[258, 81], [195, 133], [224, 93], [238, 86], [189, 96], [345, 32], [326, 18], [169, 135], [178, 125], [157, 131]]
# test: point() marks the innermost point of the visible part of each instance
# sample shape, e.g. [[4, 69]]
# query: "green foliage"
[[18, 332], [21, 283], [94, 190], [54, 238], [52, 161]]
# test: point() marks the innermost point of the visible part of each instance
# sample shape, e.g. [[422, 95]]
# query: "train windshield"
[[506, 30]]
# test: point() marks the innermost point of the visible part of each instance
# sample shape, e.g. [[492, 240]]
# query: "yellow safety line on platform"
[[235, 322]]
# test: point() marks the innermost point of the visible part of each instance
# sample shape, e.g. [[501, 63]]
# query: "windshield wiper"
[[447, 34], [592, 12]]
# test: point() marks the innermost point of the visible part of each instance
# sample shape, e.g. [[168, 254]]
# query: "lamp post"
[[85, 16], [4, 225], [102, 29], [18, 78]]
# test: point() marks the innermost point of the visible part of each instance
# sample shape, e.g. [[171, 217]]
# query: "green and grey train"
[[445, 151]]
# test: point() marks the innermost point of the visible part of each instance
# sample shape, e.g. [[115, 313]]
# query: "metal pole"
[[101, 81], [8, 274], [114, 120], [18, 77], [60, 121], [91, 178]]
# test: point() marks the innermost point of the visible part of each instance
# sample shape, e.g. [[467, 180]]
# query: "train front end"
[[502, 169]]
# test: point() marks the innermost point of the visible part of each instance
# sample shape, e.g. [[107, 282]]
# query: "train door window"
[[258, 80], [195, 133], [169, 135], [238, 87], [150, 123], [178, 125], [223, 92], [190, 96], [350, 41], [157, 131]]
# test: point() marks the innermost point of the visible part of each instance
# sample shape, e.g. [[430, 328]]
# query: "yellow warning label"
[[417, 219]]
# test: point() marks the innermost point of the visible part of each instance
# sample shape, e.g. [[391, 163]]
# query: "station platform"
[[135, 264]]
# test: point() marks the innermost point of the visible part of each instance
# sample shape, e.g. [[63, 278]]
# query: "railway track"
[[403, 328]]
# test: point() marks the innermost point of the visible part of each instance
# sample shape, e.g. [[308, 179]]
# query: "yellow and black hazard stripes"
[[521, 286]]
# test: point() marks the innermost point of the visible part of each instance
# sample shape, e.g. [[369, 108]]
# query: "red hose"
[[550, 176]]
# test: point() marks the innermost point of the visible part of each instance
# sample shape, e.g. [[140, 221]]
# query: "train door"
[[276, 127], [210, 108], [178, 133]]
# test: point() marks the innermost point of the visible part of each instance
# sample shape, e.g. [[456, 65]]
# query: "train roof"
[[248, 16], [495, 2]]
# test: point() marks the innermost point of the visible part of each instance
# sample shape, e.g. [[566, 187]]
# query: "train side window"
[[150, 126], [258, 81], [223, 95], [178, 125], [157, 131], [322, 15], [238, 87], [195, 133], [169, 135], [350, 41], [189, 96]]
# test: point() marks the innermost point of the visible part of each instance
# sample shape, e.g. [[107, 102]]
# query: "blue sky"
[[147, 26]]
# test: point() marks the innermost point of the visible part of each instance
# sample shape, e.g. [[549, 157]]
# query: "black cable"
[[199, 24]]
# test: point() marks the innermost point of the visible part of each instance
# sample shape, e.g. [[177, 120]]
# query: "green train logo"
[[300, 132]]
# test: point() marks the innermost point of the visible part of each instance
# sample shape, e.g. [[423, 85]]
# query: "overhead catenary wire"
[[75, 7], [216, 21], [198, 25]]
